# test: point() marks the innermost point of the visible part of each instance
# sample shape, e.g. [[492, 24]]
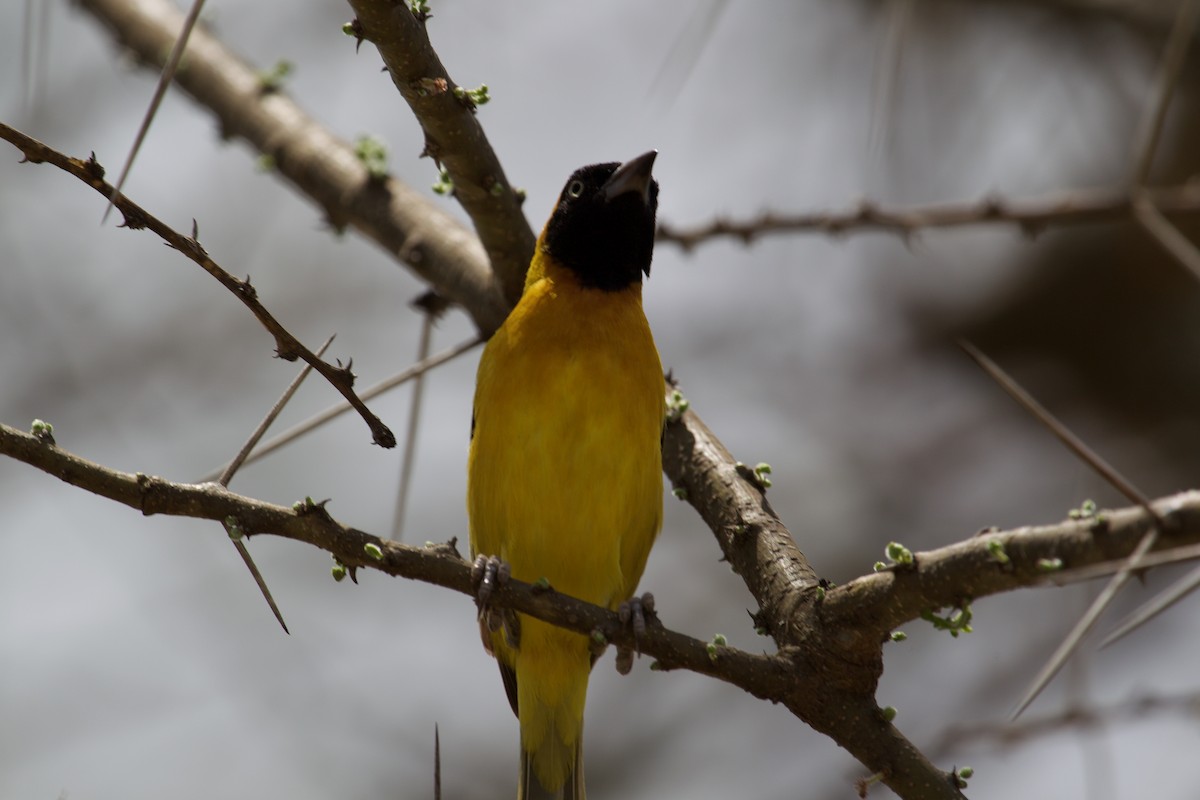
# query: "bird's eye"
[[575, 189]]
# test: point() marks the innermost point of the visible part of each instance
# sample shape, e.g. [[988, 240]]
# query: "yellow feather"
[[565, 480]]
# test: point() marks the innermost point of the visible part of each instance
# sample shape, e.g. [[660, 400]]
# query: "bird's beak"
[[631, 177]]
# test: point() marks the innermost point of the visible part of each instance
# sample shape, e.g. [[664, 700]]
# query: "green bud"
[[1086, 509], [443, 185], [899, 636], [373, 551], [959, 621], [996, 551], [271, 80], [42, 431], [677, 405], [679, 493], [1049, 564], [371, 152], [898, 553], [889, 713], [338, 572], [761, 470]]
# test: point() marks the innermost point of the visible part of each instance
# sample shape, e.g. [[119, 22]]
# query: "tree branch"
[[1030, 215], [830, 652], [1032, 556], [287, 346], [761, 675], [453, 136], [428, 240]]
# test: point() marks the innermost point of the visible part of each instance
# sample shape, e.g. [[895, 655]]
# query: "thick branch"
[[453, 136], [753, 539], [431, 242], [823, 675], [762, 676], [875, 604]]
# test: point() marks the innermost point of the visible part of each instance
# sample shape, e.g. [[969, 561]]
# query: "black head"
[[602, 228]]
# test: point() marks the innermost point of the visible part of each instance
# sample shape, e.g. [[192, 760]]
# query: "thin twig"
[[336, 410], [1166, 234], [1174, 55], [1071, 642], [288, 347], [1160, 558], [886, 77], [1030, 215], [35, 47], [160, 91], [684, 53], [432, 304], [1074, 719]]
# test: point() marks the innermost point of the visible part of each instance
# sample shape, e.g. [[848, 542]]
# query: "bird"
[[565, 465]]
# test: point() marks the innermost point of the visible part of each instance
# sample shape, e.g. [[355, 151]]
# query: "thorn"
[[1115, 479], [164, 81], [1176, 592]]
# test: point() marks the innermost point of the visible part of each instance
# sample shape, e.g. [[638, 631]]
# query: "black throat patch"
[[607, 243]]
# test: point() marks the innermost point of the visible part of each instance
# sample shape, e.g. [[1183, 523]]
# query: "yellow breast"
[[565, 466]]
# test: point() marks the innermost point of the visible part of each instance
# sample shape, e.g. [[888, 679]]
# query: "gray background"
[[136, 658]]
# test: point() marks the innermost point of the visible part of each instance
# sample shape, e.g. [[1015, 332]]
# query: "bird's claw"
[[632, 613], [488, 573]]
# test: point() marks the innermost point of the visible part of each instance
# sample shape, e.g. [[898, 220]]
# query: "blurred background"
[[137, 659]]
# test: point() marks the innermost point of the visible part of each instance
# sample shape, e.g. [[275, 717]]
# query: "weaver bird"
[[565, 468]]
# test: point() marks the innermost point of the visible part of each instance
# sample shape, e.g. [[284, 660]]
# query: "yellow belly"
[[565, 470], [565, 481]]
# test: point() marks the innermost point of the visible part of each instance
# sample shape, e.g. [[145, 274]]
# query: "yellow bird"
[[565, 469]]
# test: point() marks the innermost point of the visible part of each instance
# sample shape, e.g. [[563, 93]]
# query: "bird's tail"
[[530, 788], [552, 667]]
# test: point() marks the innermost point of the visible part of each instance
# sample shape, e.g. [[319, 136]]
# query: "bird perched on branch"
[[565, 468]]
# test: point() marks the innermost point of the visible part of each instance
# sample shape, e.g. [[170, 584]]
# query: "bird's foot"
[[489, 573], [633, 613]]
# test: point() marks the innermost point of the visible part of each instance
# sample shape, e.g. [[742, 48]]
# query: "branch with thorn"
[[829, 639], [287, 346], [1031, 216]]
